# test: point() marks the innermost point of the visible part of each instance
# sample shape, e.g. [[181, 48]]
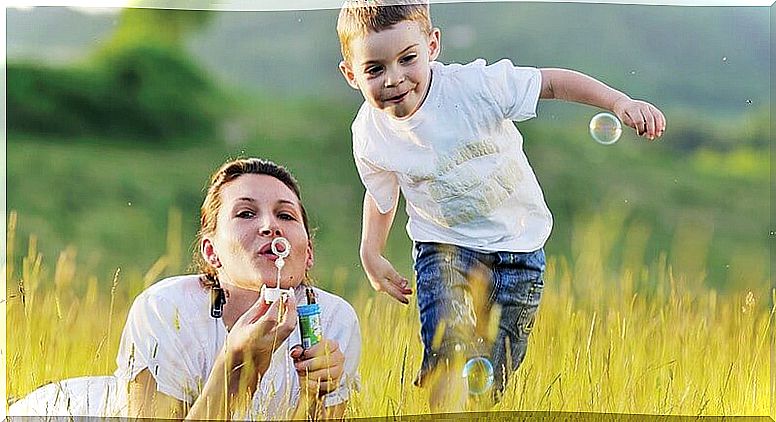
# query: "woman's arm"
[[220, 395], [146, 402], [232, 381]]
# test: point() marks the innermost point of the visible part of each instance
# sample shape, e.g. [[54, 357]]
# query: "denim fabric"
[[458, 288]]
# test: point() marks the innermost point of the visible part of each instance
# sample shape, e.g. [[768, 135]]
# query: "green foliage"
[[150, 92], [48, 100], [157, 26], [159, 91]]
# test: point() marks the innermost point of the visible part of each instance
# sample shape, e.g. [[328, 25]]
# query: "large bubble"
[[605, 128], [478, 375]]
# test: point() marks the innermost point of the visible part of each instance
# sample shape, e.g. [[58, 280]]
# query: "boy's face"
[[391, 67]]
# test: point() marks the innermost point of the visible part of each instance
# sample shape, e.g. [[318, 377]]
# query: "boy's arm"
[[374, 234], [570, 85]]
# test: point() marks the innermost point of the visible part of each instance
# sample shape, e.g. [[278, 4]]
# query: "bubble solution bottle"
[[310, 321]]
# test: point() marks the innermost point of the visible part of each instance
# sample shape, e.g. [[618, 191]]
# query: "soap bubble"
[[605, 128], [478, 375]]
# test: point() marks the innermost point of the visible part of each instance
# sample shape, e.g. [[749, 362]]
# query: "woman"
[[177, 360]]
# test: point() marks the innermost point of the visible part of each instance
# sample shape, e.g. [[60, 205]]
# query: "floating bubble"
[[724, 59], [605, 128], [478, 375]]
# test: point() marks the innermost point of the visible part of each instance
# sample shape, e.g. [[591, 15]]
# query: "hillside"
[[711, 59]]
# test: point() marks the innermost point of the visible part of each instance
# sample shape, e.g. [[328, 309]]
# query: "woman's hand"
[[259, 331], [319, 368], [245, 358]]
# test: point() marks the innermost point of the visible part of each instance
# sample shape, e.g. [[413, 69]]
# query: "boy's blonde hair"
[[358, 17]]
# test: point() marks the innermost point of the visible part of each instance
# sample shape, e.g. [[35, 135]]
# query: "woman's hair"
[[229, 171], [359, 17]]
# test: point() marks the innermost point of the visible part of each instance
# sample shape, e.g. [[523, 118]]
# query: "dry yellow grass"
[[639, 340]]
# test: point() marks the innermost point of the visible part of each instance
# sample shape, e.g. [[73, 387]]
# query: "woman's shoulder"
[[184, 291]]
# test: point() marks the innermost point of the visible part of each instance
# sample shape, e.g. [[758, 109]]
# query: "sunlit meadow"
[[644, 338]]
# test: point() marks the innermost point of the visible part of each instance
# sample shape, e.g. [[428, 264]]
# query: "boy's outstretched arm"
[[374, 234], [569, 85]]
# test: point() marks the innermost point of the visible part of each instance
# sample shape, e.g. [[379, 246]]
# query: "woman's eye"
[[409, 58], [286, 216], [245, 214]]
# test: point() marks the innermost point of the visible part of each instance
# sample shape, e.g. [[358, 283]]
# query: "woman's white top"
[[170, 332]]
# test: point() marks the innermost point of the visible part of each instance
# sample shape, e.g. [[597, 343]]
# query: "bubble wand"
[[271, 295]]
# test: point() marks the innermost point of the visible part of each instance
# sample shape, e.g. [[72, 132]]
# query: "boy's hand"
[[642, 116], [384, 278]]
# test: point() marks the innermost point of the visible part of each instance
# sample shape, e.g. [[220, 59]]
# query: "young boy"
[[443, 134]]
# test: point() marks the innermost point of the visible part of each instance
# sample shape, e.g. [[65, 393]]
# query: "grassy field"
[[639, 339], [657, 295]]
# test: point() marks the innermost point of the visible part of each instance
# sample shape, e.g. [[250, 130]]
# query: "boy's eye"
[[373, 70], [409, 58]]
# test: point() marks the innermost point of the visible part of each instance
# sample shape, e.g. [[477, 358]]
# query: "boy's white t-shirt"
[[459, 159], [169, 330]]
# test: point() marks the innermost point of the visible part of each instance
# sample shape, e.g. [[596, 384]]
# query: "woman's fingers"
[[321, 367], [288, 315], [320, 386], [280, 316], [296, 352], [325, 355], [256, 311]]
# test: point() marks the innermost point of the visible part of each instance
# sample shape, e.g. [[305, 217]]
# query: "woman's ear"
[[434, 44], [310, 256], [208, 252], [348, 74]]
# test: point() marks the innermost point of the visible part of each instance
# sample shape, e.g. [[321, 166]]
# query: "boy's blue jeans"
[[457, 288]]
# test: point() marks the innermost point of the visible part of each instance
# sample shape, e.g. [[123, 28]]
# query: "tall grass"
[[645, 338]]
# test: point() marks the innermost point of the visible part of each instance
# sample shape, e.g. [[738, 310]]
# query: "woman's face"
[[255, 209]]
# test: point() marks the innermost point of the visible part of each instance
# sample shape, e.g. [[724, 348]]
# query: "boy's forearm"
[[570, 85], [375, 228]]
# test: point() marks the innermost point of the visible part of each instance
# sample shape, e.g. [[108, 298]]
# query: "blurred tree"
[[141, 84], [141, 25]]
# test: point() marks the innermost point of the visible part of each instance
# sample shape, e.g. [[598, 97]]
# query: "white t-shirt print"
[[459, 159]]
